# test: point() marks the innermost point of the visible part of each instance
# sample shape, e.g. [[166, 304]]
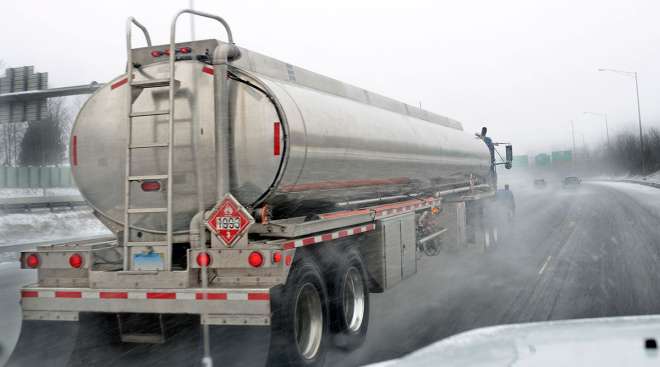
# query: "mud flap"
[[95, 341]]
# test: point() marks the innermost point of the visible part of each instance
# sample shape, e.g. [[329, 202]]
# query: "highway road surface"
[[590, 252]]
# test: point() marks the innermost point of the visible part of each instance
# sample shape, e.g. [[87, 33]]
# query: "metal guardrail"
[[30, 245], [35, 177], [22, 204], [644, 183], [650, 184], [49, 93]]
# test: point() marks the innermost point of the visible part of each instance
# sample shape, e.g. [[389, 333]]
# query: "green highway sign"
[[520, 161], [562, 156], [542, 160]]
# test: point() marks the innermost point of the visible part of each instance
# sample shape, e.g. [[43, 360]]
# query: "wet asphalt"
[[589, 252]]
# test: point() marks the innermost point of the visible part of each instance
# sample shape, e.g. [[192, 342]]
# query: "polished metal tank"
[[297, 140]]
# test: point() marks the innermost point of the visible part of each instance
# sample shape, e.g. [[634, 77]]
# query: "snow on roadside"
[[56, 191], [653, 178], [46, 225], [647, 196]]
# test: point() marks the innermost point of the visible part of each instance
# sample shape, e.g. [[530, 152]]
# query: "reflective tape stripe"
[[161, 295], [74, 150], [46, 294], [113, 295], [276, 138], [189, 296], [208, 70], [67, 294], [258, 296], [308, 241], [328, 236], [211, 296], [186, 296], [237, 296], [91, 295], [119, 83]]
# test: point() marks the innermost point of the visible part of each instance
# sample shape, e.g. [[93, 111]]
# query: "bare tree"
[[44, 142]]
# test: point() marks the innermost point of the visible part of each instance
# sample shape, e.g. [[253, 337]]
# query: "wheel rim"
[[353, 300], [308, 321]]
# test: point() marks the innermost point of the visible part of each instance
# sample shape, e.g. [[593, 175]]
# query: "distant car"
[[540, 183], [571, 182]]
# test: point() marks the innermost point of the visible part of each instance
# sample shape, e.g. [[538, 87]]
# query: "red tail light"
[[75, 261], [150, 186], [32, 261], [277, 257], [203, 259], [255, 259], [156, 53], [185, 50]]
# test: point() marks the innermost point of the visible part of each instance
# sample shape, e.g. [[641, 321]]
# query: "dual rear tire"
[[317, 308], [349, 302]]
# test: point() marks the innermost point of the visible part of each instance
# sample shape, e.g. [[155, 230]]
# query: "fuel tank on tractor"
[[297, 139]]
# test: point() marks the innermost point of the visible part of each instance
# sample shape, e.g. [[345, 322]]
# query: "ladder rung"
[[153, 83], [149, 145], [143, 243], [147, 177], [146, 210], [150, 113]]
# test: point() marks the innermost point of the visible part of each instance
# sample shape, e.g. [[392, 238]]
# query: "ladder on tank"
[[138, 87], [134, 90]]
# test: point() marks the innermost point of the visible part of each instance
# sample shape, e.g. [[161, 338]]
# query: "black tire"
[[292, 303], [349, 318]]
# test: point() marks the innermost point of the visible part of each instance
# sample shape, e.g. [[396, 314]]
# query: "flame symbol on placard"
[[228, 210]]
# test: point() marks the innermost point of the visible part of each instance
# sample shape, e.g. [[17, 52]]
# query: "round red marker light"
[[277, 257], [32, 261], [75, 261], [203, 259], [255, 259], [156, 53]]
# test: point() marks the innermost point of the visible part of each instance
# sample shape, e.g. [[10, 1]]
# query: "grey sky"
[[524, 67]]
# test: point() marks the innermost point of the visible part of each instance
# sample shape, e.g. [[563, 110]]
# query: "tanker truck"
[[246, 191]]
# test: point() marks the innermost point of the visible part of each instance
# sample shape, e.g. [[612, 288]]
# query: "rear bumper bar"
[[223, 306]]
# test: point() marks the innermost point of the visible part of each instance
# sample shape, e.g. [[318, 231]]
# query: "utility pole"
[[639, 119], [573, 135], [573, 154], [607, 132], [639, 114]]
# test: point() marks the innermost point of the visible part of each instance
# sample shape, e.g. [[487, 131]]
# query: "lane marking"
[[545, 264]]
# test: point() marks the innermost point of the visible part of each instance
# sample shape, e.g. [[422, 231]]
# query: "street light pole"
[[607, 132], [639, 120], [573, 135], [639, 114]]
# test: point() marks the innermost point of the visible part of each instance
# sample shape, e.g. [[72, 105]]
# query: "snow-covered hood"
[[613, 341]]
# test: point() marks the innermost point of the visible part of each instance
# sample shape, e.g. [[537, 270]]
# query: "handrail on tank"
[[230, 38], [129, 37]]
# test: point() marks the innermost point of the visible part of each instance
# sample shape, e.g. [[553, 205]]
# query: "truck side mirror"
[[509, 156]]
